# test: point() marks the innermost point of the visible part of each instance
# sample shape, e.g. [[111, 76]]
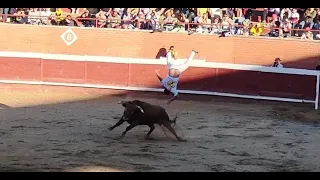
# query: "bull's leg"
[[150, 131], [168, 126], [128, 129], [121, 121]]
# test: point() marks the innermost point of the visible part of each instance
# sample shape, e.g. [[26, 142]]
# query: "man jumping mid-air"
[[170, 82]]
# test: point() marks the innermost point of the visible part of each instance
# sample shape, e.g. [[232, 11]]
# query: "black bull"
[[141, 113]]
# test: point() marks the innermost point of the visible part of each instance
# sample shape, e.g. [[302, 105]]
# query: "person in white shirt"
[[170, 82], [277, 63]]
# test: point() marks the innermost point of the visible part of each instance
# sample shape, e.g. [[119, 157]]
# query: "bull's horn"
[[140, 108], [121, 102]]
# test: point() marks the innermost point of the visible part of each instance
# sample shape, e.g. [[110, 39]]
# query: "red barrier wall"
[[137, 44], [142, 75]]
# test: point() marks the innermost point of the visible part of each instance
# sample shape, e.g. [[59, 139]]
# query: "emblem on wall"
[[69, 37]]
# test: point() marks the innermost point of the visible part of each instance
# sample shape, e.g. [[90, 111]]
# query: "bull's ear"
[[140, 108], [123, 103]]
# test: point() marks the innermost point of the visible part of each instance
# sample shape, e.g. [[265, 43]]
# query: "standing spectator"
[[93, 11], [238, 12], [268, 12], [285, 13], [74, 10], [308, 18], [214, 13], [230, 13], [201, 11]]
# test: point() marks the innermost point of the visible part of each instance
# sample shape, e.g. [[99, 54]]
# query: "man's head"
[[171, 47], [166, 91]]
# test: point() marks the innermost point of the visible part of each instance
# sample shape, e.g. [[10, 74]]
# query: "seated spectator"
[[20, 16], [86, 22], [256, 30], [246, 27], [286, 28], [68, 21], [226, 22], [275, 28], [102, 18], [215, 26], [59, 15], [34, 16], [153, 19], [295, 17], [307, 35], [179, 23], [45, 13], [316, 21], [308, 18], [205, 24], [114, 20]]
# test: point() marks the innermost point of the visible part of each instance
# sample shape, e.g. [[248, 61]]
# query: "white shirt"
[[170, 83]]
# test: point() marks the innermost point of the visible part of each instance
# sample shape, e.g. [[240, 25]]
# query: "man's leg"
[[185, 65], [158, 75]]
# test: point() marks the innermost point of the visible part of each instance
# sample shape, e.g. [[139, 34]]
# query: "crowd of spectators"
[[273, 22]]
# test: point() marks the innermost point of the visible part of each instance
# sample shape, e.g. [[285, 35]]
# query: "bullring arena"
[[48, 125]]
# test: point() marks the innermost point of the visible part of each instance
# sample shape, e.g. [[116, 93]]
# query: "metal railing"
[[153, 25]]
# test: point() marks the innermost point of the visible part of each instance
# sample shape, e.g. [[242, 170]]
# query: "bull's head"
[[129, 109]]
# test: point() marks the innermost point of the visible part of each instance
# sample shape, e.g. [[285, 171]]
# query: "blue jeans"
[[316, 26], [6, 12], [303, 23]]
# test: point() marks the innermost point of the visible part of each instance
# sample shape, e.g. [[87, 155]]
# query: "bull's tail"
[[174, 120]]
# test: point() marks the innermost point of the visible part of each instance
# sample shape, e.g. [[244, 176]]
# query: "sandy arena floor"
[[63, 130]]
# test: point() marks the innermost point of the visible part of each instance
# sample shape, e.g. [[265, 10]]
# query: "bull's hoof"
[[110, 128], [120, 137], [182, 140], [148, 138]]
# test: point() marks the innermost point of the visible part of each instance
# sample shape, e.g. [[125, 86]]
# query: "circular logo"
[[68, 37]]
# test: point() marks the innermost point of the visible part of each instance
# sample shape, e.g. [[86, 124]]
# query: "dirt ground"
[[62, 130]]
